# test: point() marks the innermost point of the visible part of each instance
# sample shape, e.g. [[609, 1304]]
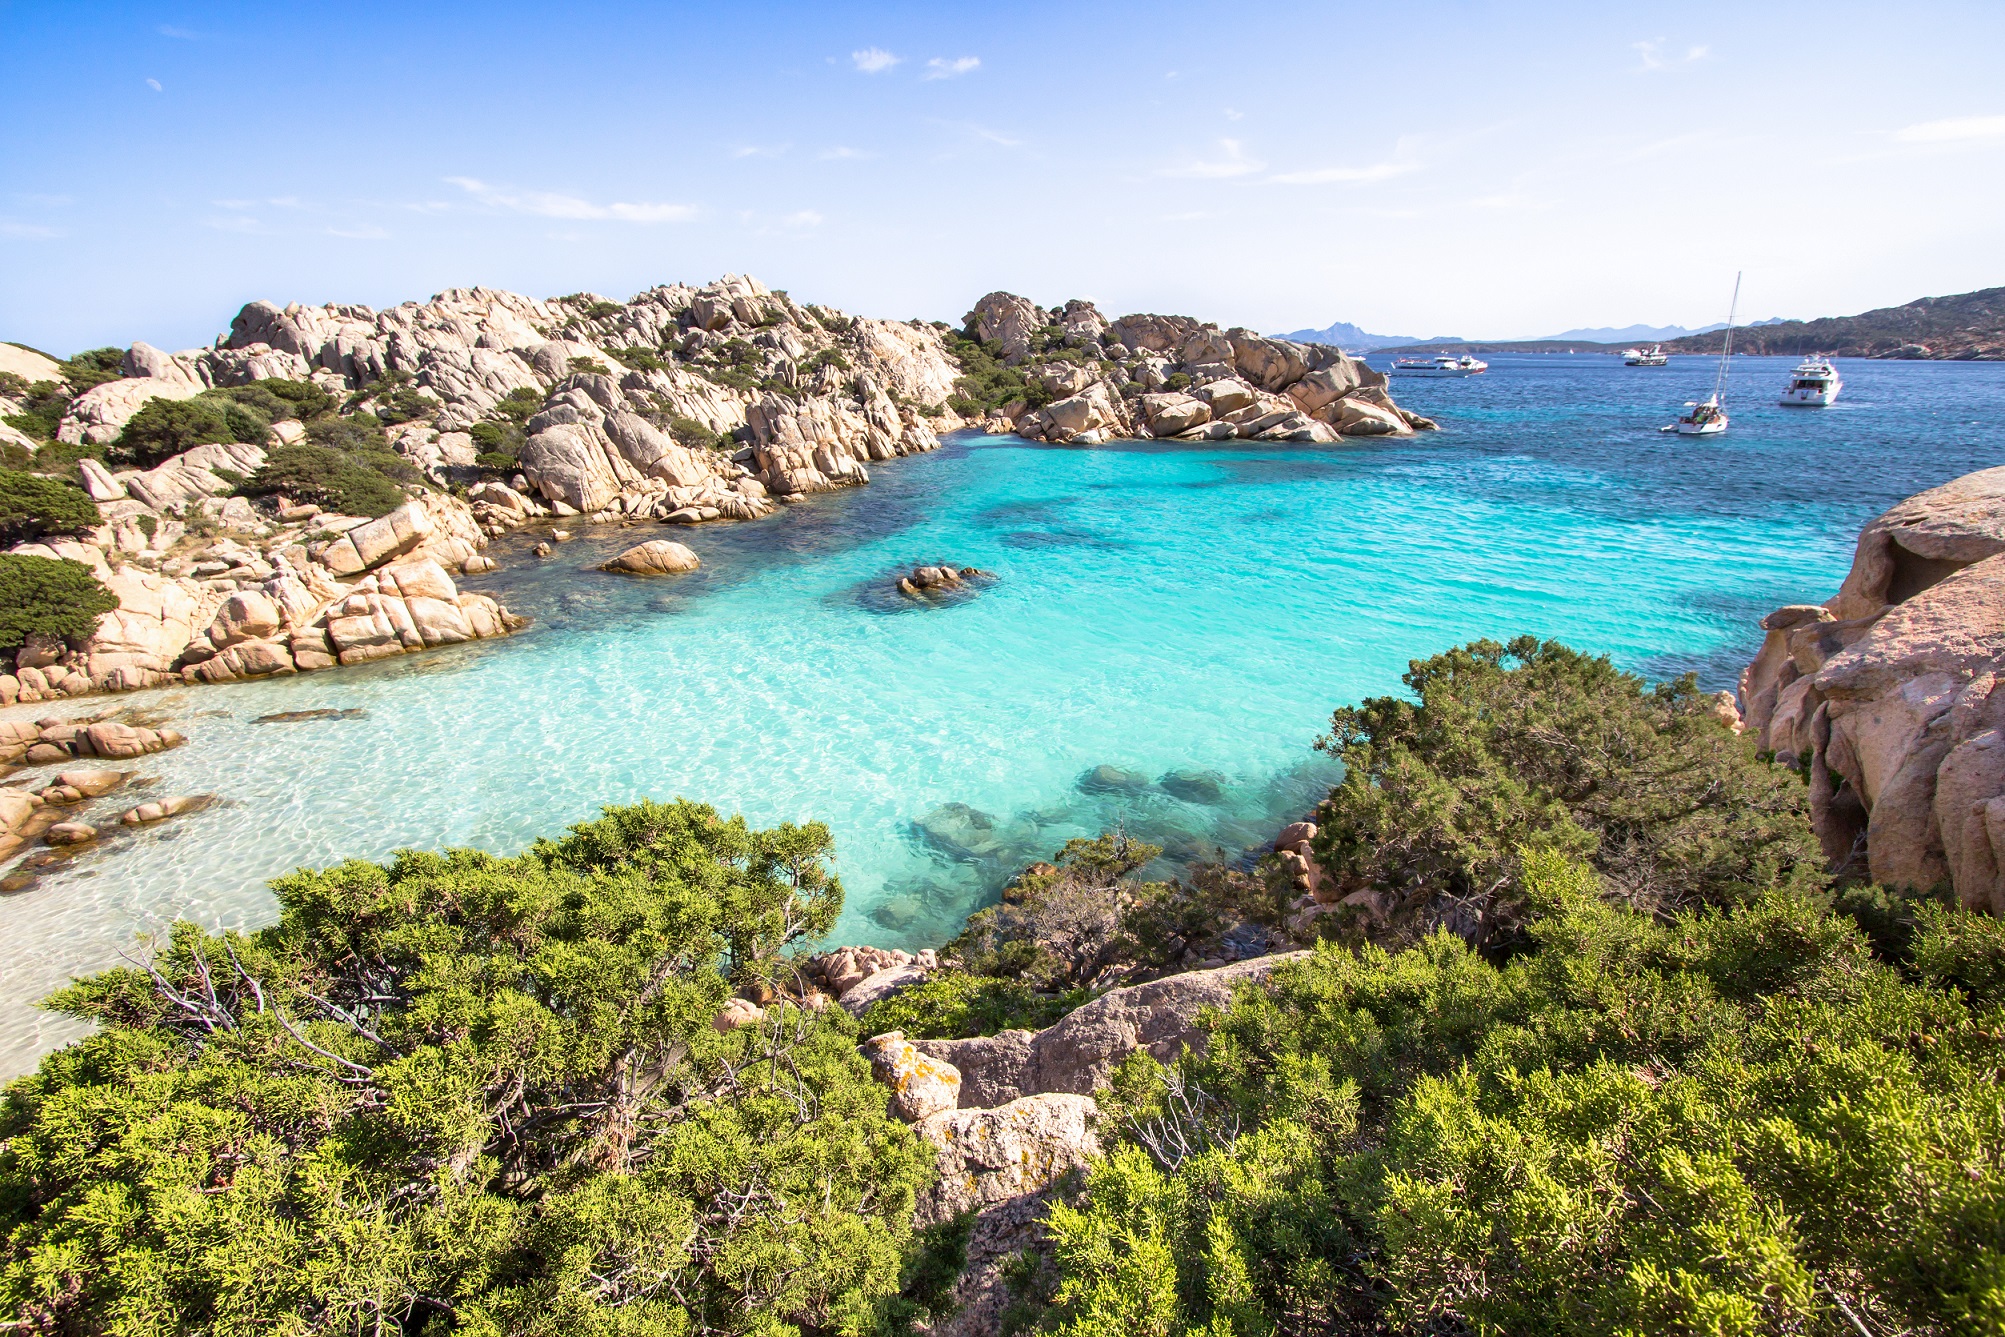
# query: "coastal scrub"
[[462, 1092]]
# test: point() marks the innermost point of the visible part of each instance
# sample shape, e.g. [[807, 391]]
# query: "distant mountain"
[[1609, 334], [1349, 337], [1967, 326]]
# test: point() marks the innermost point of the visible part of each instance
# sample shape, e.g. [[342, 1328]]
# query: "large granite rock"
[[1887, 692], [658, 557], [1075, 1055]]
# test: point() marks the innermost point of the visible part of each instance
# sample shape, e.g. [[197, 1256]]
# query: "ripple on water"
[[1137, 621]]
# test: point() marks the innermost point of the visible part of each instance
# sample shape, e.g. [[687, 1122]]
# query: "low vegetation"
[[48, 597], [34, 506], [985, 384], [466, 1093]]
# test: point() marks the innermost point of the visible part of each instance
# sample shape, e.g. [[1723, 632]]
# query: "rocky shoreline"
[[682, 406]]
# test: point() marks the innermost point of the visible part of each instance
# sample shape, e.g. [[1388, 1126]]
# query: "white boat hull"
[[1435, 371], [1710, 428], [1814, 397]]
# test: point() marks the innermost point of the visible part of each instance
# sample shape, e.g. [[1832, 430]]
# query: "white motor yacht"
[[1654, 356], [1444, 365], [1814, 383]]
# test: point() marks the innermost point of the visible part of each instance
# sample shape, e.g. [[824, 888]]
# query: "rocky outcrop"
[[920, 1084], [1176, 378], [658, 557], [1075, 1055], [1886, 694]]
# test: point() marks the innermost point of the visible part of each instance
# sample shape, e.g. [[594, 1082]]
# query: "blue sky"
[[1485, 169]]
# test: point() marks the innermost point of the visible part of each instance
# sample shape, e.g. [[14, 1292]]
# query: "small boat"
[[1654, 356], [1702, 417], [1814, 383], [1444, 365], [1708, 416]]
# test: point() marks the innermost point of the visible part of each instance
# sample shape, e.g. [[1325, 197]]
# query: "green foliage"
[[12, 385], [32, 505], [1059, 923], [166, 427], [1534, 744], [589, 366], [42, 408], [93, 367], [1179, 380], [55, 598], [695, 435], [1726, 1121], [640, 359], [499, 444], [985, 384], [276, 399], [955, 1004], [520, 405], [329, 478], [462, 1092]]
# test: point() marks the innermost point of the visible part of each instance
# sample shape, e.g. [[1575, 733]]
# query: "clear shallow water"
[[1156, 607]]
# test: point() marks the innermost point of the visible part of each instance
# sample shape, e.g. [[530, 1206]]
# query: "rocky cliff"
[[1886, 693]]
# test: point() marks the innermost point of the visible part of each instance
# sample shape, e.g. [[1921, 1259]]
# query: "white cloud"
[[1656, 58], [364, 232], [154, 84], [760, 150], [873, 60], [234, 223], [842, 151], [546, 204], [1232, 115], [1233, 163], [26, 231], [179, 34], [1954, 129], [1323, 176], [804, 218], [939, 67]]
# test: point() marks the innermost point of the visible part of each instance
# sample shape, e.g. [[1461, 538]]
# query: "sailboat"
[[1708, 416]]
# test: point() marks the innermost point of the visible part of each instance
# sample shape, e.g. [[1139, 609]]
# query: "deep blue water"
[[1159, 608]]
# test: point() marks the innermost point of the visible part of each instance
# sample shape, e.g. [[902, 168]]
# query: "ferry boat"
[[1444, 365], [1708, 416], [1654, 356], [1814, 383]]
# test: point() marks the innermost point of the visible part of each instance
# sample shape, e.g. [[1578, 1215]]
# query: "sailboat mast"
[[1726, 347]]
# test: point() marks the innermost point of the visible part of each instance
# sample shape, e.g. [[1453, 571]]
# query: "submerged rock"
[[1113, 780], [1206, 787], [925, 582], [961, 832]]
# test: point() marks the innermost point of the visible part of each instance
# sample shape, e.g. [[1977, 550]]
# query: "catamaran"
[[1708, 416], [1814, 383], [1653, 356], [1444, 365]]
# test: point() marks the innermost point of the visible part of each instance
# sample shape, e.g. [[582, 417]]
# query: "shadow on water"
[[1062, 538]]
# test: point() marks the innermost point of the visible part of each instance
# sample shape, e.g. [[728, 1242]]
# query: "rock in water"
[[1113, 780], [1194, 786], [961, 832], [657, 557]]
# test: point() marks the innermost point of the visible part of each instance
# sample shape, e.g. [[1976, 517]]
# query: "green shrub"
[[986, 384], [520, 405], [277, 398], [695, 435], [307, 472], [32, 505], [589, 366], [93, 367], [640, 359], [1727, 1121], [42, 407], [499, 446], [1534, 744], [459, 1092], [57, 598], [12, 385], [165, 427], [954, 1004]]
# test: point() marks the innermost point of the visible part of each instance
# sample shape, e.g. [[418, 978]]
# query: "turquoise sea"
[[1155, 607]]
